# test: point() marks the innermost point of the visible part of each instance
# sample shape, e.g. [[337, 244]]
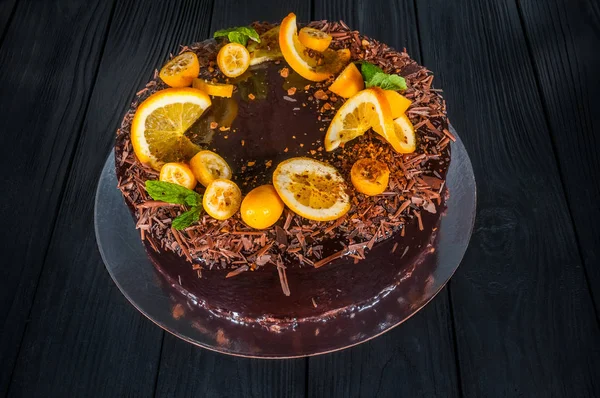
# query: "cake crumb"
[[214, 125], [284, 72], [243, 142], [250, 164], [291, 91], [251, 96], [286, 149]]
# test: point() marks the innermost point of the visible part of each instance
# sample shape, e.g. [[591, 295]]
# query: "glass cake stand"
[[135, 275]]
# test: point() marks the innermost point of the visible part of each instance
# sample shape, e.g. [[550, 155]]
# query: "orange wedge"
[[159, 124], [181, 70], [233, 59], [348, 83], [314, 39], [367, 109], [370, 176], [214, 89], [398, 103], [178, 173], [405, 133], [315, 68]]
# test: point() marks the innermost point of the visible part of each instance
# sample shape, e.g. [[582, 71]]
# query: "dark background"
[[519, 318]]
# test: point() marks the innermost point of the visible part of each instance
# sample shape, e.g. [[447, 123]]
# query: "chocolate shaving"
[[237, 271]]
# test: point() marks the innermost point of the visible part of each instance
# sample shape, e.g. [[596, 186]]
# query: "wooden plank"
[[83, 337], [49, 56], [524, 316], [417, 358], [240, 12], [190, 371], [7, 8], [567, 73]]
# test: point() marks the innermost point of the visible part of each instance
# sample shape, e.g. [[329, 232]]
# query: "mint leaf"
[[237, 37], [393, 82], [374, 76], [369, 70], [376, 80], [238, 34], [186, 219], [250, 32], [172, 193]]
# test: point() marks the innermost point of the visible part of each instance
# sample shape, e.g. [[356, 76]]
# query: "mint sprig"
[[238, 34], [176, 194], [374, 76]]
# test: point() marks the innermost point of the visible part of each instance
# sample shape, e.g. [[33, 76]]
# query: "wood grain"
[[45, 92], [206, 373], [7, 8], [189, 371], [564, 40], [83, 338], [524, 316], [417, 358]]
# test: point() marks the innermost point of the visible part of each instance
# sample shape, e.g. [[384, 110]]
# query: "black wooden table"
[[519, 318]]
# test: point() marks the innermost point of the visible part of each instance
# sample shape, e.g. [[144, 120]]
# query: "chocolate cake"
[[300, 269]]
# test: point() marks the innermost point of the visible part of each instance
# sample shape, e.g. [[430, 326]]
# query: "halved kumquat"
[[181, 70]]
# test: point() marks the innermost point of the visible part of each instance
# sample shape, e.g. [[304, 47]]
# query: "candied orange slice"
[[405, 133], [311, 189], [398, 103], [348, 83], [178, 173], [370, 176], [233, 59], [181, 70], [367, 109], [214, 89], [262, 207], [159, 124], [316, 67], [207, 166], [222, 199], [314, 39]]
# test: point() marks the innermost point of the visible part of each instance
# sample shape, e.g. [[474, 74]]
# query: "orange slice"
[[312, 189], [181, 70], [367, 109], [233, 59], [314, 39], [178, 173], [222, 199], [207, 166], [370, 176], [349, 82], [214, 89], [159, 124], [262, 207], [315, 68], [405, 133], [398, 103]]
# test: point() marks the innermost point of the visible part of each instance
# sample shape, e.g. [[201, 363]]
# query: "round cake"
[[297, 268]]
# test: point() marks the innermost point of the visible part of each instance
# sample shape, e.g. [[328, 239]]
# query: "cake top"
[[290, 148]]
